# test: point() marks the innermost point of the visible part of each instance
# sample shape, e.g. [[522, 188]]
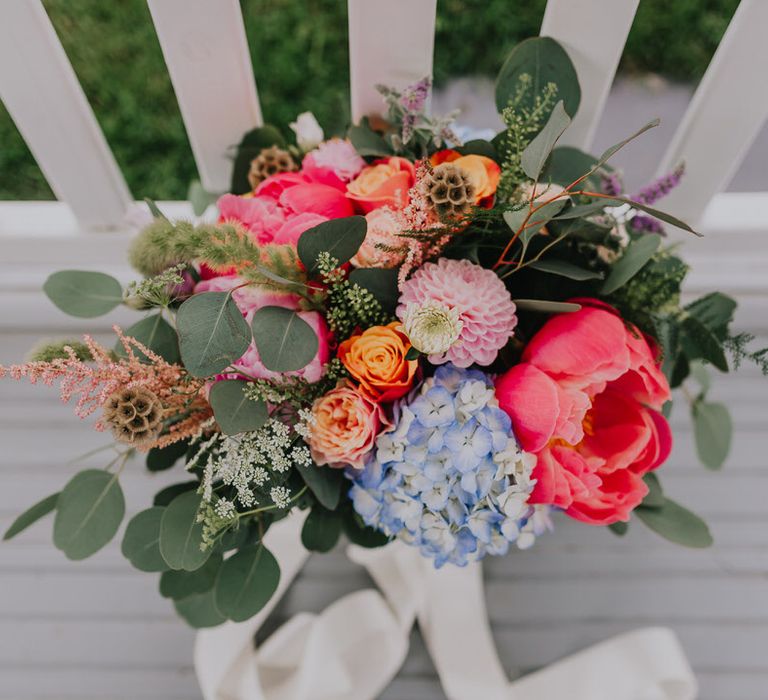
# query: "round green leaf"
[[181, 536], [88, 513], [361, 534], [212, 333], [83, 293], [545, 61], [199, 610], [676, 524], [246, 582], [156, 334], [340, 238], [285, 341], [234, 412], [182, 584], [164, 496], [141, 541], [321, 530], [713, 430], [31, 516], [655, 496], [325, 483], [161, 458]]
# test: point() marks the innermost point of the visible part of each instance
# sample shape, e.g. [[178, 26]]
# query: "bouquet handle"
[[356, 646]]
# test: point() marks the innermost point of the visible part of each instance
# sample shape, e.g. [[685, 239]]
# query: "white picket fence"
[[98, 629]]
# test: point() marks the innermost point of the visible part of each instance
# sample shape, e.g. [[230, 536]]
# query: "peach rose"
[[345, 427], [483, 172], [376, 359], [386, 182], [384, 228]]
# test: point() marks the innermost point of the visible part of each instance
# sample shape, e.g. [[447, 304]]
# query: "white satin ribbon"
[[355, 647]]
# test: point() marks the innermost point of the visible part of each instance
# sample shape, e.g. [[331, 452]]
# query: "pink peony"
[[275, 185], [384, 227], [249, 300], [290, 232], [585, 399], [333, 163], [260, 215], [486, 310], [345, 427], [316, 199]]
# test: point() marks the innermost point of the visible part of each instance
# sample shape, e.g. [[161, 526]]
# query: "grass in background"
[[300, 58]]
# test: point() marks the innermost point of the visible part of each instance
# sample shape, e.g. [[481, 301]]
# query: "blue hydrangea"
[[450, 477]]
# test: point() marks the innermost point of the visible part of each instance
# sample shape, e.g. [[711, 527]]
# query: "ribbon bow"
[[355, 647]]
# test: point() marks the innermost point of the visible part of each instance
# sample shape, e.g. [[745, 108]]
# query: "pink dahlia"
[[485, 309]]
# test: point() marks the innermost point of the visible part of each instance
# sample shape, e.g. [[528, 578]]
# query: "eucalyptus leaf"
[[361, 534], [88, 513], [713, 430], [619, 528], [676, 524], [367, 142], [635, 257], [655, 496], [164, 496], [340, 238], [321, 529], [31, 516], [246, 582], [181, 536], [612, 150], [141, 541], [325, 483], [234, 412], [182, 584], [157, 335], [161, 458], [567, 164], [546, 307], [382, 283], [212, 333], [700, 374], [200, 198], [536, 153], [564, 269], [199, 610], [83, 293], [545, 61], [285, 341]]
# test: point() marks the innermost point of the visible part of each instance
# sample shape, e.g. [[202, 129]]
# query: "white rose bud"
[[309, 134]]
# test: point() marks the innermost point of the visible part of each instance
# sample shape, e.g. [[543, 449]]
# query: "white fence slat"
[[725, 115], [43, 96], [376, 58], [206, 51], [594, 34]]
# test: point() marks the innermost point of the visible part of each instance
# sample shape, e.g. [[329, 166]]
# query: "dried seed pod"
[[135, 415], [270, 162], [450, 191]]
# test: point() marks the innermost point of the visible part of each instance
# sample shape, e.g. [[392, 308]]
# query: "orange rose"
[[386, 182], [483, 172], [376, 359]]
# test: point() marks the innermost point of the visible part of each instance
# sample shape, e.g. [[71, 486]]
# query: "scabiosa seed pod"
[[270, 162], [450, 191], [134, 415]]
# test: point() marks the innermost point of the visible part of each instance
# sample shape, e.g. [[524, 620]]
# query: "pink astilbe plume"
[[95, 380]]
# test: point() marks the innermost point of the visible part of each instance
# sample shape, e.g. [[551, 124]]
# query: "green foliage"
[[234, 411], [713, 430], [361, 534], [157, 335], [285, 341], [676, 524], [141, 541], [563, 268], [161, 458], [163, 244], [338, 238], [250, 146], [321, 530], [382, 283], [199, 610], [83, 293], [31, 516], [49, 350], [539, 149], [737, 347], [212, 333], [294, 390], [325, 483], [181, 535], [182, 584], [88, 513], [246, 582], [634, 258], [158, 290]]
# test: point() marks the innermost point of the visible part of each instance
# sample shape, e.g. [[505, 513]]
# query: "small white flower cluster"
[[306, 421], [280, 496]]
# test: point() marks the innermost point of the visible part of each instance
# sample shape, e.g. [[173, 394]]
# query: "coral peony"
[[586, 399], [484, 306], [251, 299], [313, 198], [376, 359], [333, 163], [275, 185], [344, 427], [383, 245], [290, 232], [260, 215], [385, 183]]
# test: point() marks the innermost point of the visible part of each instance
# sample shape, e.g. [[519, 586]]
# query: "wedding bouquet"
[[407, 336]]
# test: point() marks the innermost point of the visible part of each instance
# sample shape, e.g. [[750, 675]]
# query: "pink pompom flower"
[[485, 309]]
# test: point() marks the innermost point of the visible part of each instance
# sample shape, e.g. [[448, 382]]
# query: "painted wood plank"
[[725, 115], [206, 52], [375, 59], [43, 96], [593, 34]]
